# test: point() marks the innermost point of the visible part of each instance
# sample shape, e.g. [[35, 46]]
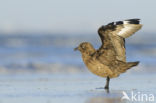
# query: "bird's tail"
[[128, 65], [132, 64]]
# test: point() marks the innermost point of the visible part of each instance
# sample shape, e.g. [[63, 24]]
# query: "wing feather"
[[128, 30], [113, 36]]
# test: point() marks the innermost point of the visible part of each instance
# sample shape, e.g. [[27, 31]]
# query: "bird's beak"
[[75, 49]]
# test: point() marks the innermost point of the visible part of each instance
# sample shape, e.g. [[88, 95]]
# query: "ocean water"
[[30, 52], [44, 68]]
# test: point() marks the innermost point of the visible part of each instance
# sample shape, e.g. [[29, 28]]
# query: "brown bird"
[[110, 59]]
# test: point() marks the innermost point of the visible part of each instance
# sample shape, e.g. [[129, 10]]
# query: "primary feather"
[[114, 34]]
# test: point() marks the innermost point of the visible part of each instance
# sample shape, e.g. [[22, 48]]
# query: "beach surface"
[[73, 88]]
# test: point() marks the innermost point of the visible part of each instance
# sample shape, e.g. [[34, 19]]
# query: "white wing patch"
[[124, 30], [128, 29], [125, 22]]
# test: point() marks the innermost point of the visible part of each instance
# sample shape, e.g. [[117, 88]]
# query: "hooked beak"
[[75, 49]]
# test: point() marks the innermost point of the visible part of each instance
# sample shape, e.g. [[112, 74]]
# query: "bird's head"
[[85, 47]]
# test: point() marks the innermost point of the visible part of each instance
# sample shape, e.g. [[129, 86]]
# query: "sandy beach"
[[73, 88]]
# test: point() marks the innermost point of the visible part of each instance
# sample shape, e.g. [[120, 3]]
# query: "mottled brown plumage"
[[110, 59]]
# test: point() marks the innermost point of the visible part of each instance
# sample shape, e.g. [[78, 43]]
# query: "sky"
[[72, 16]]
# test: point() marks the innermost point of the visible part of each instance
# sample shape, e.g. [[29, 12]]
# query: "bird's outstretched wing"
[[114, 34]]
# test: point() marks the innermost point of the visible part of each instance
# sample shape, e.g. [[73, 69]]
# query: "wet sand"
[[72, 88]]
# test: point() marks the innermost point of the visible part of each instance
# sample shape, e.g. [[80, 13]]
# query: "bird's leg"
[[107, 83]]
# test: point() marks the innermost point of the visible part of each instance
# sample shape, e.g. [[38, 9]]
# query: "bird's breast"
[[96, 67]]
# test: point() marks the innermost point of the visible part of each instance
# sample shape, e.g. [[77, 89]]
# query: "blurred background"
[[37, 60], [39, 36]]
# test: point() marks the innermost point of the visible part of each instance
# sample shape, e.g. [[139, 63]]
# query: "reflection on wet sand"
[[105, 97], [104, 100]]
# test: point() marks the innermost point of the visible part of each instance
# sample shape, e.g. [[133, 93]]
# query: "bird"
[[109, 61]]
